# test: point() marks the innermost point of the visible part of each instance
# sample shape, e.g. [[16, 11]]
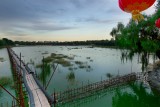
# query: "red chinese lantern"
[[157, 23], [135, 7]]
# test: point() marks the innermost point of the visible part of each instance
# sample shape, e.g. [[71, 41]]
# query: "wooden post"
[[82, 86], [54, 98], [101, 78], [43, 71], [20, 85]]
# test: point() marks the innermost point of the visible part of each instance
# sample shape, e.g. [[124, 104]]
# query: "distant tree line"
[[7, 42]]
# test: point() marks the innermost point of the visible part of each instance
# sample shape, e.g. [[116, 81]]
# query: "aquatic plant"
[[88, 57], [39, 65], [71, 58], [109, 75], [71, 76], [5, 81], [70, 68], [78, 62], [82, 66], [47, 59], [91, 60], [63, 62], [46, 70], [58, 56]]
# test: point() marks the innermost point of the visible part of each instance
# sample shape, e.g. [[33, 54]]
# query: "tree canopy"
[[141, 36]]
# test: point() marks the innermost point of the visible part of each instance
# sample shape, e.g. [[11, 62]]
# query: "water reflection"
[[134, 94], [143, 57], [140, 97], [0, 92]]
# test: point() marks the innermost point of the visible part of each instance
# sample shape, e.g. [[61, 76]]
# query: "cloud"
[[33, 17], [31, 27], [101, 21]]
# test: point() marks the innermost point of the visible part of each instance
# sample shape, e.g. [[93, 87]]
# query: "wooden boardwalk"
[[90, 89], [36, 97]]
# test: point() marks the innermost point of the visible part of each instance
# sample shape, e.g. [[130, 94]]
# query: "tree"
[[117, 31], [7, 42]]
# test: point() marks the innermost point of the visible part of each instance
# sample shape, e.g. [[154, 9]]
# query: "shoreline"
[[154, 76]]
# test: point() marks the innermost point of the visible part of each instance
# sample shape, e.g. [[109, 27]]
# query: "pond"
[[75, 66]]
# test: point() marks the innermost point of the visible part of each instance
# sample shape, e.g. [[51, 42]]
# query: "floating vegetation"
[[91, 60], [2, 59], [71, 76], [71, 58], [82, 66], [5, 81], [70, 68], [88, 57], [79, 62], [63, 62], [58, 56], [48, 59], [76, 48], [39, 65]]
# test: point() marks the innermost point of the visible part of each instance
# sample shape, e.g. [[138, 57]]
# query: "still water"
[[88, 65]]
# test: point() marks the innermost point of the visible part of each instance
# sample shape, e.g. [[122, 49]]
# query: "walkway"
[[37, 98]]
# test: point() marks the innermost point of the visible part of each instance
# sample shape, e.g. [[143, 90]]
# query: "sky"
[[60, 20]]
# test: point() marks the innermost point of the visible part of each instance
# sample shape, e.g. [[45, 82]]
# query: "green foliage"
[[143, 36], [71, 76], [48, 59], [6, 42], [5, 81], [45, 73], [150, 46]]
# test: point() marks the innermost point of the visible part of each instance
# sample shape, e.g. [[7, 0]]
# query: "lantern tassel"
[[137, 16]]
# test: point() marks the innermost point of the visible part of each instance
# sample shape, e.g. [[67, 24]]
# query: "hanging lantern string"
[[137, 16]]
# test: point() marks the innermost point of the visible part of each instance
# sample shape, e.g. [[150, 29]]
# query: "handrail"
[[32, 103], [25, 70]]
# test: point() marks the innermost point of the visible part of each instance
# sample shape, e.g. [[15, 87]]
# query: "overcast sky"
[[60, 20]]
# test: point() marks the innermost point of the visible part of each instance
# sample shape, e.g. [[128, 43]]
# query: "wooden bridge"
[[38, 97]]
